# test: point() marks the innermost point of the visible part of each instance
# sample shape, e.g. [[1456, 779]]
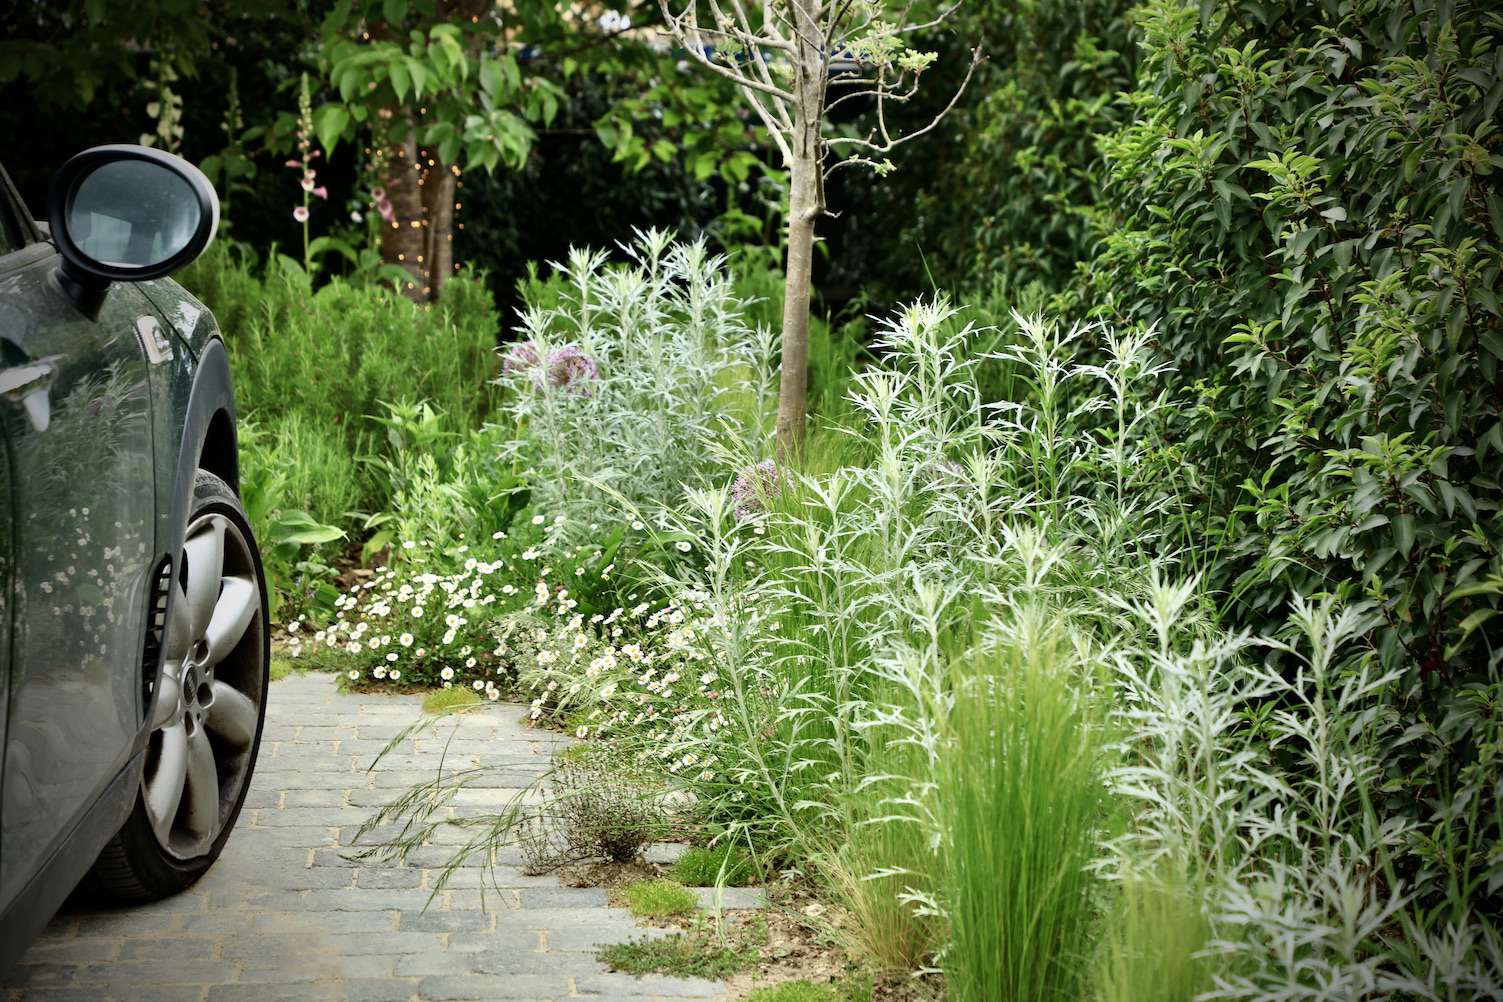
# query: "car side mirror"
[[126, 213]]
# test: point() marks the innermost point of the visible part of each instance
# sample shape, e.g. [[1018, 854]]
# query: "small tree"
[[438, 82], [784, 63]]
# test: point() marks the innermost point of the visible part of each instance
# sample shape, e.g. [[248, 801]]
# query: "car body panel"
[[28, 913], [98, 478], [86, 505]]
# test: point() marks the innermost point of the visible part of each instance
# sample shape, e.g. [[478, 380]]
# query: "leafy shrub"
[[667, 340], [1007, 186], [1305, 202], [659, 899], [331, 355]]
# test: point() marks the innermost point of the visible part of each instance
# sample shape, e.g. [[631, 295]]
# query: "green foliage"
[[333, 355], [297, 482], [68, 51], [794, 991], [659, 899], [680, 955], [1149, 946], [719, 865], [1305, 202], [1007, 185], [1021, 796], [393, 55]]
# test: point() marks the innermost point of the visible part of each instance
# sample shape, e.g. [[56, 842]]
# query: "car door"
[[75, 416]]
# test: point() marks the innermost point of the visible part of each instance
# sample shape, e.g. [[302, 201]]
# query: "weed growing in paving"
[[659, 899], [595, 809], [681, 955]]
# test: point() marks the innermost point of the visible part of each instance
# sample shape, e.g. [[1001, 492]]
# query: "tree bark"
[[805, 206], [793, 379], [402, 240], [438, 227]]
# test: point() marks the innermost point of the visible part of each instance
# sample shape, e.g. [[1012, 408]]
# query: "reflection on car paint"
[[82, 486]]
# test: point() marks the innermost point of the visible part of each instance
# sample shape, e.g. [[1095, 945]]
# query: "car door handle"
[[27, 385]]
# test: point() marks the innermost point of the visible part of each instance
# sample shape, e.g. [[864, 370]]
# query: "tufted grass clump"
[[454, 699], [715, 866], [660, 899], [794, 991]]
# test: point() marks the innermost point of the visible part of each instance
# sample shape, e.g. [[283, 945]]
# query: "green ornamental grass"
[[1020, 795]]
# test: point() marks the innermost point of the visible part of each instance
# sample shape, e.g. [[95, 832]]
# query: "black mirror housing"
[[126, 213]]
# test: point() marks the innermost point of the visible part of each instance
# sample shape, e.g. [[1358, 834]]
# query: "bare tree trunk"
[[402, 239], [438, 227], [793, 381], [805, 206]]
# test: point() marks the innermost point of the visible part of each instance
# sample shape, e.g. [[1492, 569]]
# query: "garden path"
[[284, 916]]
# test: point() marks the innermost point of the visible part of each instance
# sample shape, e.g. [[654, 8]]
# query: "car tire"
[[206, 721]]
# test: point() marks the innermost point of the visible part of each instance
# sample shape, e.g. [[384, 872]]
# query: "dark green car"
[[134, 641]]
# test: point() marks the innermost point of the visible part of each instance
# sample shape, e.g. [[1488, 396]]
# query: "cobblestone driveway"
[[283, 916]]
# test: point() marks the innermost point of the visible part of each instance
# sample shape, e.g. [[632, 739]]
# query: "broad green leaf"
[[395, 12], [399, 79], [322, 245], [1403, 533], [293, 269], [419, 74], [329, 122]]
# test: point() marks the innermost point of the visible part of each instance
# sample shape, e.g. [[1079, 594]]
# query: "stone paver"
[[284, 915]]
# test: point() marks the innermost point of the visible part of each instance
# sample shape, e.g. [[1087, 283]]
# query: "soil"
[[612, 876]]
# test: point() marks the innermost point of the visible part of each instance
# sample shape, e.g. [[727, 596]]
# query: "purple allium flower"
[[523, 356], [568, 368], [761, 480], [571, 370]]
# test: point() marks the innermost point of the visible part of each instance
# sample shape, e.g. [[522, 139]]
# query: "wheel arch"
[[208, 441]]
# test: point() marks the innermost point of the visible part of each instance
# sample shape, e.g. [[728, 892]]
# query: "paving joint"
[[283, 916]]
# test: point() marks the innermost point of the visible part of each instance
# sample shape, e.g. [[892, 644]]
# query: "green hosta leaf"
[[376, 544], [298, 527], [323, 245]]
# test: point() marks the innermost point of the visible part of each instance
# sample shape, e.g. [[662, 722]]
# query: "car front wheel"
[[206, 719]]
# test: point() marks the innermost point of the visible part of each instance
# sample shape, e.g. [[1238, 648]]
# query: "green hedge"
[[1305, 204]]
